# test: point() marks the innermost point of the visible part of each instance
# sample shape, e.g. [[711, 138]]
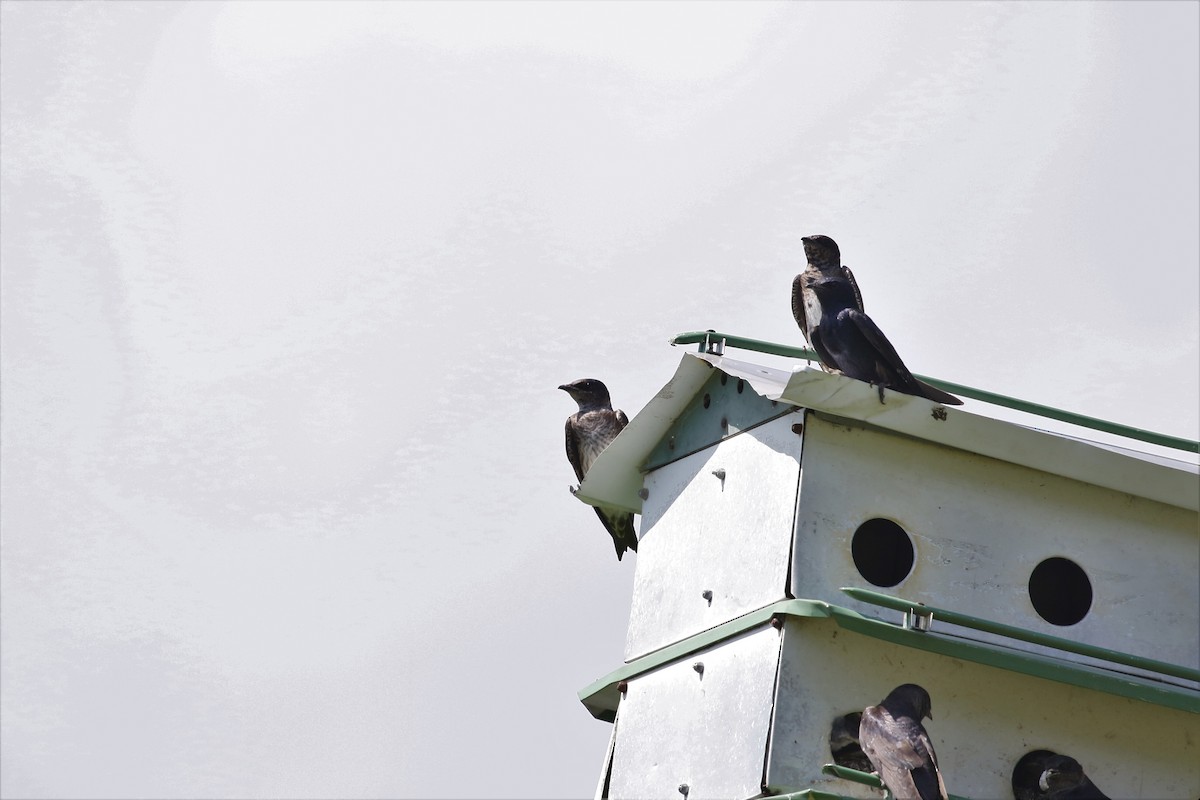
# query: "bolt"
[[707, 400], [798, 428], [643, 493], [623, 686], [707, 595], [776, 622], [684, 789], [720, 473], [699, 667]]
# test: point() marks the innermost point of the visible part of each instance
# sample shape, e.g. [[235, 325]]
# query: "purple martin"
[[843, 743], [1046, 775], [895, 742], [589, 431], [824, 261], [850, 341]]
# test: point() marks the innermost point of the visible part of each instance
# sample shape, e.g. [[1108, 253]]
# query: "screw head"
[[623, 686], [699, 667]]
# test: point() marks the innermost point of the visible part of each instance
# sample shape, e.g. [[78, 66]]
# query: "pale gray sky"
[[288, 287]]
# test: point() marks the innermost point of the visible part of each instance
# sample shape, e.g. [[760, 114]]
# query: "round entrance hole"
[[882, 551], [1060, 591]]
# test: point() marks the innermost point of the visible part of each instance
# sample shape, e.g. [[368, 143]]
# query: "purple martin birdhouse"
[[806, 550]]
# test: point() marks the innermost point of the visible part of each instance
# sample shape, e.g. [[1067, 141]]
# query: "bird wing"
[[823, 353], [622, 420], [1086, 790], [573, 448], [902, 753], [798, 303], [880, 342], [849, 276]]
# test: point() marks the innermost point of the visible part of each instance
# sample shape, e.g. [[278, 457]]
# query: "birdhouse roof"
[[615, 478]]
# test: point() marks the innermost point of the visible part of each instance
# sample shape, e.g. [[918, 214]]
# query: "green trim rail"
[[707, 338], [1021, 634], [808, 794], [847, 774], [865, 778], [602, 696]]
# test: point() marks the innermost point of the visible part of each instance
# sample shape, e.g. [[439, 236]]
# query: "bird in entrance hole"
[[1046, 775]]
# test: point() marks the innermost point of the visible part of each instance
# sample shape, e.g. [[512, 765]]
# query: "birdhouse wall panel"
[[701, 723], [979, 528], [723, 406], [716, 533], [984, 719]]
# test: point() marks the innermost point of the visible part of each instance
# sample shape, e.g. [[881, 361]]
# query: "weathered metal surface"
[[716, 533], [706, 729], [1173, 482], [984, 719], [979, 526], [721, 408], [606, 770]]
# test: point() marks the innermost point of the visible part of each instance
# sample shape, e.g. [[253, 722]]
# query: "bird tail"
[[937, 395], [620, 526]]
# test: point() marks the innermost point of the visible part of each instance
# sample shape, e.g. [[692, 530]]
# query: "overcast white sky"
[[287, 289]]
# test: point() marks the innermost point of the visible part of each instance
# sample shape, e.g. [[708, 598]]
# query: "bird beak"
[[564, 388]]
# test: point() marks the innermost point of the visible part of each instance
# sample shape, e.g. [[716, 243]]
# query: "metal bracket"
[[915, 620], [712, 345]]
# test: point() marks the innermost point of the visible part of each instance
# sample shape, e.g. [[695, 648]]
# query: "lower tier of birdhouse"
[[745, 711]]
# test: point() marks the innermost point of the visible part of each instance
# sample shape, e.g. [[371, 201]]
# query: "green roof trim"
[[713, 339], [845, 773], [602, 696], [808, 794], [1033, 637]]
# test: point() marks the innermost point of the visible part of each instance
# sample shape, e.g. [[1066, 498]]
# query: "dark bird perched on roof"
[[589, 431], [843, 743], [849, 340], [1046, 775], [895, 742], [824, 261]]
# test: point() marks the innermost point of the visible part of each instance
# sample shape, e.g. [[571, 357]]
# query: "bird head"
[[1061, 772], [915, 697], [821, 251], [844, 731], [833, 291], [589, 393]]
